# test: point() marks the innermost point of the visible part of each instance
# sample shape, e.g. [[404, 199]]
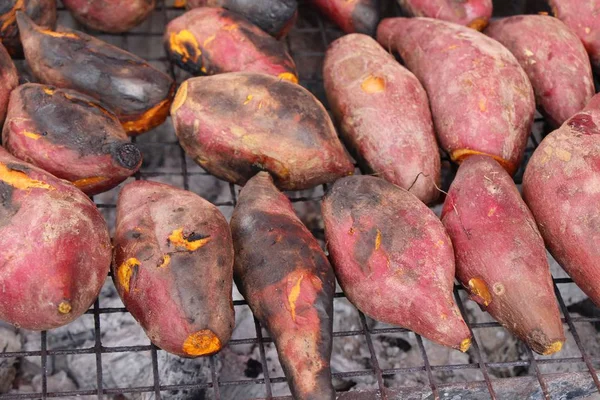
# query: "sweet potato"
[[69, 135], [237, 124], [500, 254], [9, 79], [173, 267], [481, 99], [358, 16], [553, 58], [561, 186], [285, 277], [393, 258], [472, 13], [394, 139], [43, 12], [213, 40], [139, 94], [276, 17], [113, 16], [55, 248]]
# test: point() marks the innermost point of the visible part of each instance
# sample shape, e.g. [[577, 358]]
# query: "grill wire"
[[327, 33]]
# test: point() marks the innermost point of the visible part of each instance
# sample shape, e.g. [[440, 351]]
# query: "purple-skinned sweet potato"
[[56, 248], [139, 94], [276, 17], [9, 79], [553, 58], [213, 40], [472, 13], [383, 112], [500, 254], [561, 186], [237, 124], [69, 135], [173, 267], [481, 99], [114, 16], [43, 12], [393, 258], [285, 277], [356, 16]]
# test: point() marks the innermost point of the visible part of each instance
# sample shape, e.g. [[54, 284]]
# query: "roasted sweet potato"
[[481, 99], [394, 139], [553, 58], [500, 254], [43, 12], [69, 135], [213, 40], [285, 277], [237, 124], [113, 16], [472, 13], [173, 267], [139, 94], [55, 248], [276, 17], [561, 186], [9, 79], [393, 258], [358, 16]]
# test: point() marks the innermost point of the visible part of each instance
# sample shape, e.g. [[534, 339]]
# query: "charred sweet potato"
[[139, 94], [472, 13], [213, 40], [55, 248], [500, 254], [113, 16], [393, 258], [43, 12], [237, 124], [276, 17], [394, 139], [69, 135], [285, 277], [481, 99], [561, 186], [358, 16], [553, 58], [173, 267], [9, 79]]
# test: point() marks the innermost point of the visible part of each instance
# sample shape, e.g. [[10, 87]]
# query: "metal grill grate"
[[146, 41]]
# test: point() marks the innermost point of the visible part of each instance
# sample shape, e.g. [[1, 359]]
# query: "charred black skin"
[[272, 16], [38, 10]]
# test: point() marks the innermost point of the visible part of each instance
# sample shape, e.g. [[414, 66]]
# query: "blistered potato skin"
[[139, 94], [69, 135], [481, 99], [43, 12], [9, 79], [56, 248], [114, 16], [235, 125], [173, 267], [383, 113], [361, 16], [282, 272], [472, 13]]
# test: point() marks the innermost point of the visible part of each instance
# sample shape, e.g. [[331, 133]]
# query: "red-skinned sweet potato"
[[276, 17], [561, 186], [358, 16], [393, 258], [481, 99], [213, 40], [383, 113], [500, 254], [472, 13], [553, 58], [113, 16], [69, 135], [285, 277], [9, 79], [237, 124], [43, 12], [173, 267], [139, 94], [55, 248]]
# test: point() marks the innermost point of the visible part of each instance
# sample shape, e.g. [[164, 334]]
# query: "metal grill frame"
[[366, 330]]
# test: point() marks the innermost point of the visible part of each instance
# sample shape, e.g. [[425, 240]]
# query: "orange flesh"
[[151, 118], [553, 348], [64, 307], [176, 239], [293, 296], [166, 260], [480, 290], [288, 76], [12, 15], [373, 84], [59, 34], [126, 271], [465, 344], [201, 343], [20, 180], [180, 97], [460, 155], [181, 41], [88, 181], [378, 240], [31, 135], [478, 24], [180, 3]]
